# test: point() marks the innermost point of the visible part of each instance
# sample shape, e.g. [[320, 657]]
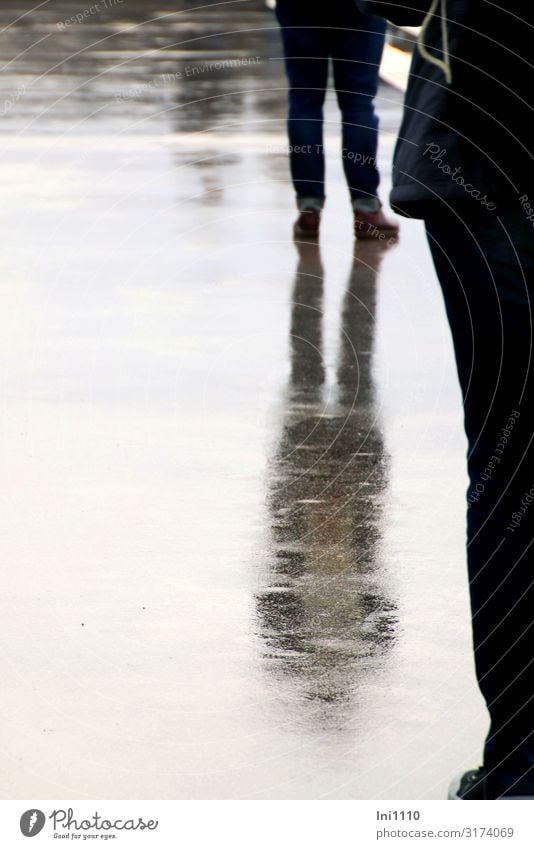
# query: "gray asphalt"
[[232, 547]]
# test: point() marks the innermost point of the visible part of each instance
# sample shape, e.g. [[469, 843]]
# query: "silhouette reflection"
[[325, 617]]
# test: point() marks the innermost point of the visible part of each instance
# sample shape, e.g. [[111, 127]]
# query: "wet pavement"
[[232, 547]]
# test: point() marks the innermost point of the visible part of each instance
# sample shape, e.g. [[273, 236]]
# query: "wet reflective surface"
[[327, 617], [233, 466]]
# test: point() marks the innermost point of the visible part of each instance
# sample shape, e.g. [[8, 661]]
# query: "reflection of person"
[[324, 615], [463, 164], [314, 31]]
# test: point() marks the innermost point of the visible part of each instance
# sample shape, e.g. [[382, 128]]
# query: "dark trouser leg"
[[486, 271], [306, 56], [356, 47]]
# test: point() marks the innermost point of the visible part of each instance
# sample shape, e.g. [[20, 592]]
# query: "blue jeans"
[[313, 32], [486, 270]]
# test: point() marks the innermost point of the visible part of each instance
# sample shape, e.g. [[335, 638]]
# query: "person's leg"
[[486, 270], [306, 57], [356, 44]]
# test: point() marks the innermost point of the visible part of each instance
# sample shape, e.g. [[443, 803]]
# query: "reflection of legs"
[[356, 47], [488, 289], [324, 616], [307, 369], [306, 54], [358, 327]]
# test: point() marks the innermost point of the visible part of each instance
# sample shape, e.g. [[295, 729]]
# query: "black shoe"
[[470, 785]]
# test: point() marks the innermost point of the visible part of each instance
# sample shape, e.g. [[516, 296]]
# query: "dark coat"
[[469, 141]]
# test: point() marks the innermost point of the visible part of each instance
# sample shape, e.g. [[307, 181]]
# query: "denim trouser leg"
[[357, 54], [312, 33], [306, 58], [486, 271]]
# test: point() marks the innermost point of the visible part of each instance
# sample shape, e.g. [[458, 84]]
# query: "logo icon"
[[32, 822]]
